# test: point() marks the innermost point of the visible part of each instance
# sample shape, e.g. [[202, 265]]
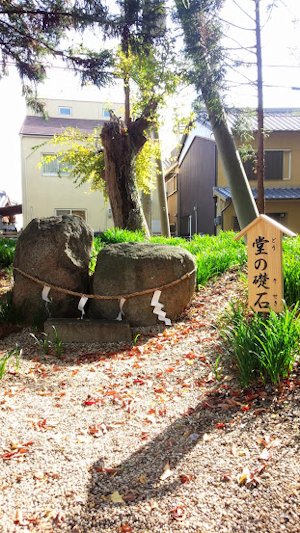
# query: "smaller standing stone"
[[56, 250]]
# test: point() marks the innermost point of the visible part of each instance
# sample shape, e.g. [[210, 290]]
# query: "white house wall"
[[42, 195]]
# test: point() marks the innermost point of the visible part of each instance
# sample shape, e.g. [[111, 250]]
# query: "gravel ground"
[[154, 437]]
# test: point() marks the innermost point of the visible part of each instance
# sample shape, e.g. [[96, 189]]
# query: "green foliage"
[[243, 129], [7, 252], [291, 269], [263, 345], [217, 368], [43, 342], [79, 154], [114, 235], [8, 313], [57, 343], [16, 354], [213, 254], [46, 344], [205, 65], [146, 166]]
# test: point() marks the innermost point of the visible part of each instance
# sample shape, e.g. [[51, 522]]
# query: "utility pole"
[[260, 116]]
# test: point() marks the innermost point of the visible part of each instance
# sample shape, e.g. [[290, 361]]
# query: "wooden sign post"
[[265, 278]]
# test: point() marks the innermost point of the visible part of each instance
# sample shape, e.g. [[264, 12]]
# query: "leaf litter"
[[146, 438]]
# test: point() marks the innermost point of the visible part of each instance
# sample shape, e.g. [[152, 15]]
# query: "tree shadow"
[[138, 478]]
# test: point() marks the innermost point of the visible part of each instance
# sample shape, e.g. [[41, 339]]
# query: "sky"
[[281, 72]]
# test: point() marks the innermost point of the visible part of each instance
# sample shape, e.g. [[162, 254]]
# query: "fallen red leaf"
[[190, 355], [125, 528], [91, 401], [139, 381], [17, 452], [245, 408], [186, 478], [159, 390], [220, 425]]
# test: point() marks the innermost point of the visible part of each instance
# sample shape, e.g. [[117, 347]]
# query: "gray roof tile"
[[275, 193], [33, 125], [285, 119]]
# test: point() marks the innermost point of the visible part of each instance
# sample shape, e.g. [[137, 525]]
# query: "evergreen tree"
[[34, 29]]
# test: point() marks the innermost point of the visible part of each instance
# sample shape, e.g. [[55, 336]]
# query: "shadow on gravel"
[[138, 478]]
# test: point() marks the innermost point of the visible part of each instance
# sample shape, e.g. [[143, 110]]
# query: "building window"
[[277, 216], [277, 165], [53, 167], [171, 185], [64, 111], [106, 114], [79, 212], [50, 167]]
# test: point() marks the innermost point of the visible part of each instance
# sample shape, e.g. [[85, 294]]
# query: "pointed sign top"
[[266, 220]]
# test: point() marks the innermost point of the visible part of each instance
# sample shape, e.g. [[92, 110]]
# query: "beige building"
[[198, 180], [45, 193], [282, 172]]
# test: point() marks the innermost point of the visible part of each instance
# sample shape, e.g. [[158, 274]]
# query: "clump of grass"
[[57, 343], [291, 269], [115, 235], [97, 245], [45, 344], [263, 345], [7, 252], [213, 254], [16, 354]]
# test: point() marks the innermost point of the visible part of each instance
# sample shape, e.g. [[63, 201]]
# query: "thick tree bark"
[[120, 148]]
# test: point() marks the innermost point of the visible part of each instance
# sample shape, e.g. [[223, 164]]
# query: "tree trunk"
[[120, 148], [242, 197], [146, 200], [161, 189], [202, 45]]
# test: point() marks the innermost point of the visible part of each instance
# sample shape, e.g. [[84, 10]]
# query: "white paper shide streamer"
[[45, 293], [161, 315], [121, 313], [81, 305]]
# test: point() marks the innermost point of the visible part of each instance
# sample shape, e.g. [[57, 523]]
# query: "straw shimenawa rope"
[[98, 296]]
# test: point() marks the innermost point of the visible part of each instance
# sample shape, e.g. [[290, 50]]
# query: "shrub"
[[291, 269], [263, 345], [7, 252]]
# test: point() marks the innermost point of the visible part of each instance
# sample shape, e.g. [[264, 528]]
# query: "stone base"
[[88, 330]]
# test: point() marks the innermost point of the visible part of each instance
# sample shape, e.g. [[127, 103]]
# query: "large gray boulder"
[[56, 250], [127, 268]]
